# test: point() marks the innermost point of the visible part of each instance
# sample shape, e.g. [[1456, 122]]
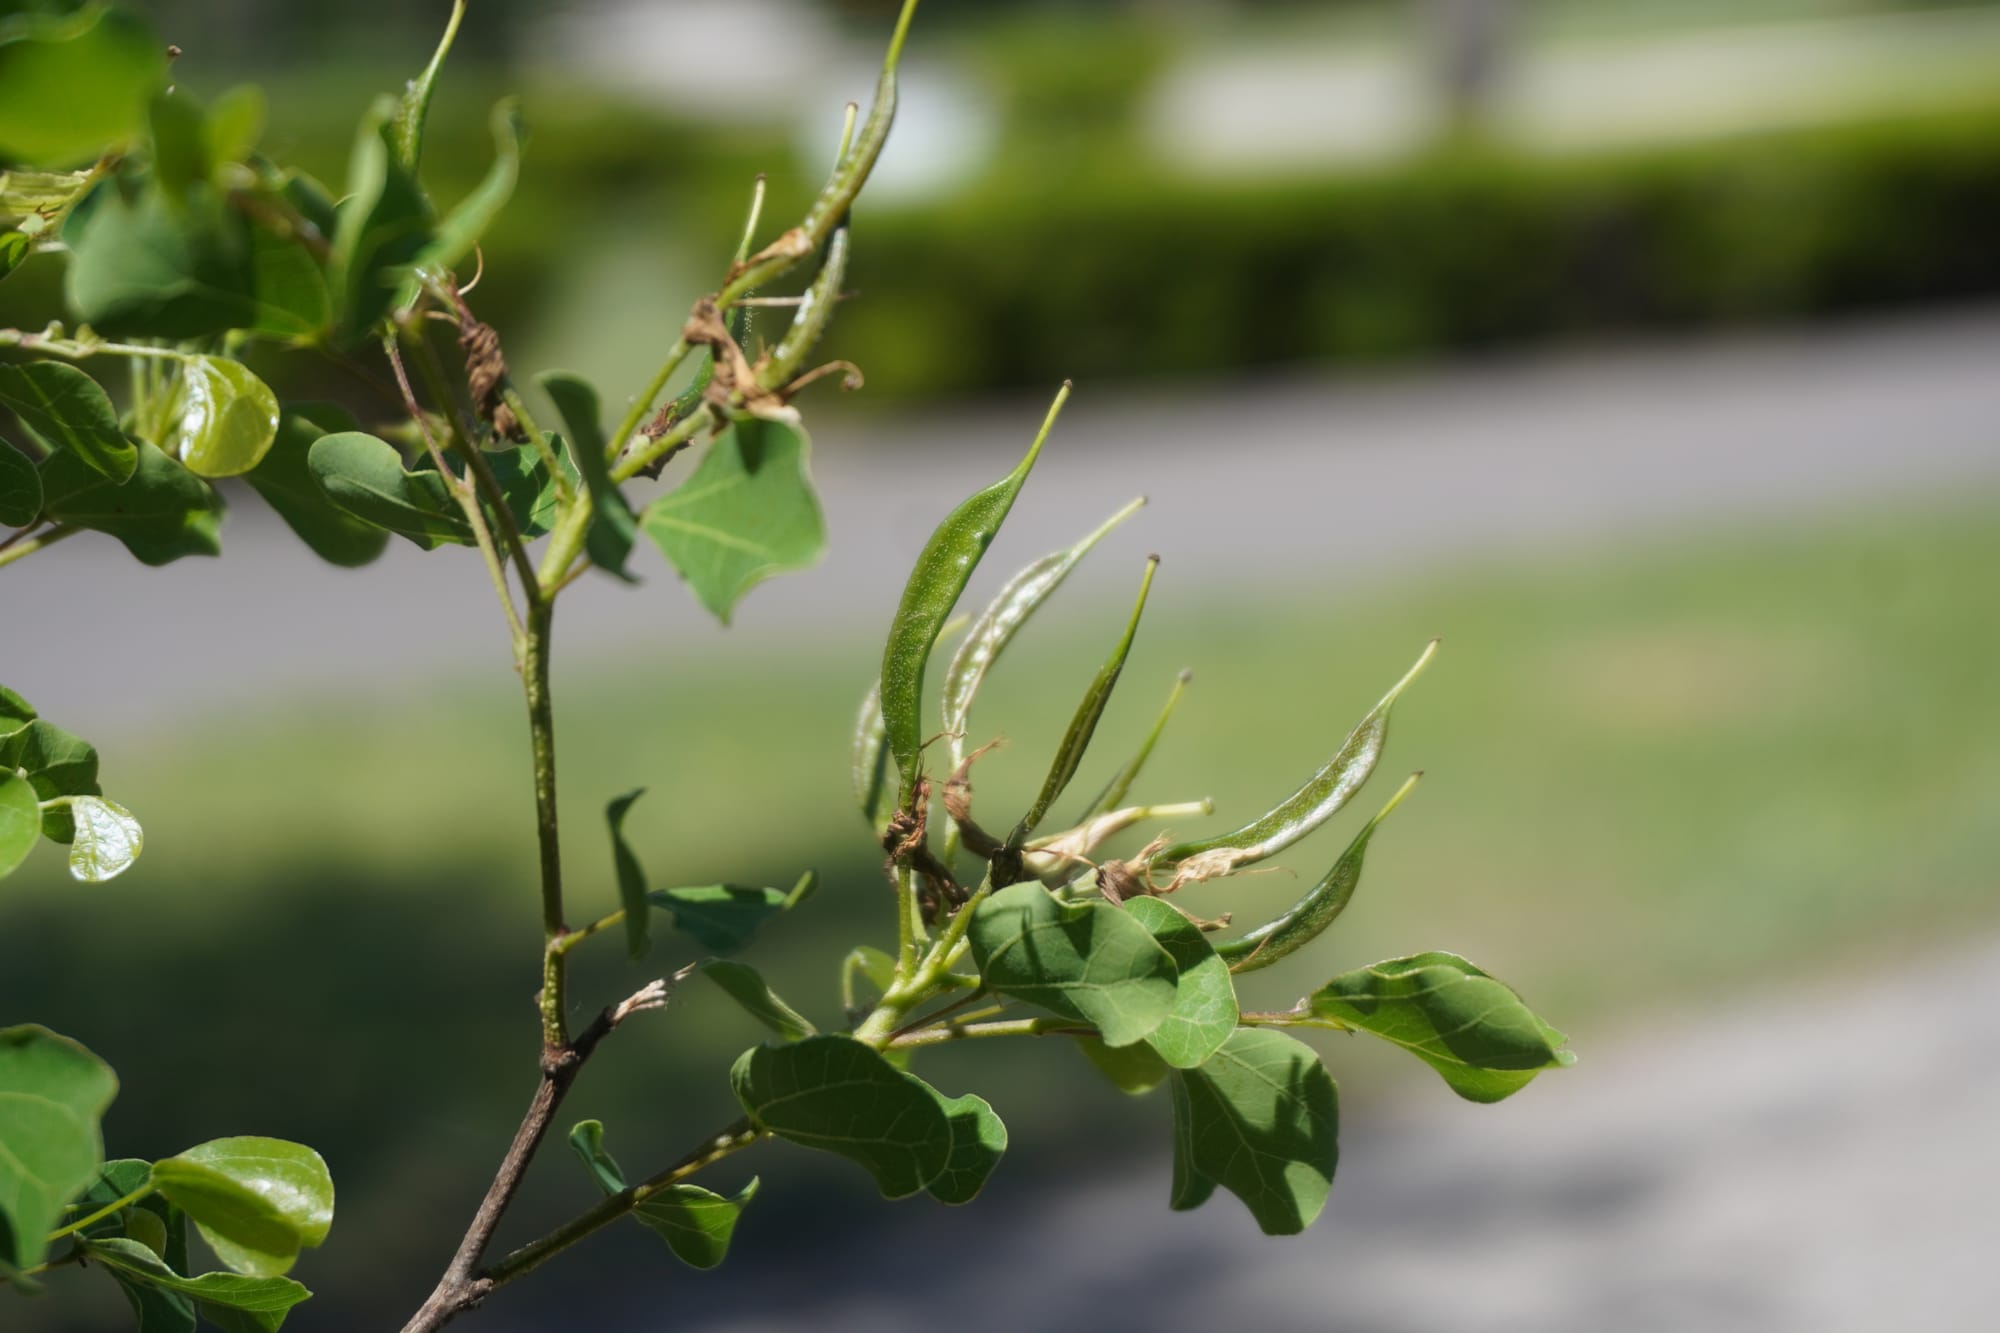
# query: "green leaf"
[[527, 485], [1083, 723], [365, 477], [256, 1201], [413, 107], [938, 578], [869, 761], [154, 1309], [1115, 790], [66, 410], [747, 513], [235, 123], [461, 228], [1311, 805], [20, 821], [53, 1093], [229, 417], [56, 764], [266, 1299], [746, 986], [15, 713], [286, 482], [107, 839], [150, 264], [839, 1096], [1475, 1031], [164, 513], [20, 488], [1261, 1119], [1204, 1012], [723, 917], [180, 141], [1134, 1070], [978, 1139], [1317, 909], [631, 879], [385, 223], [612, 531], [15, 247], [587, 1138], [293, 302], [695, 1223], [74, 85], [1087, 961], [153, 1219]]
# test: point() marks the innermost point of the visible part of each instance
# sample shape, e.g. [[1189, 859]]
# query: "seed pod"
[[870, 755], [1121, 781], [810, 320], [940, 575], [1316, 910], [1307, 808]]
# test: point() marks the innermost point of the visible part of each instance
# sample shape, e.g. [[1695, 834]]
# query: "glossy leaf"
[[285, 480], [840, 1096], [1002, 619], [228, 420], [1317, 909], [1115, 791], [696, 1224], [1260, 1119], [56, 764], [1313, 804], [67, 411], [256, 1201], [723, 917], [107, 839], [20, 821], [631, 879], [1083, 723], [1134, 1070], [73, 85], [20, 488], [147, 264], [608, 541], [365, 477], [747, 513], [1088, 961], [869, 761], [384, 224], [266, 1299], [1204, 1012], [53, 1093], [746, 986], [164, 513], [978, 1140], [933, 589], [1475, 1031], [461, 228]]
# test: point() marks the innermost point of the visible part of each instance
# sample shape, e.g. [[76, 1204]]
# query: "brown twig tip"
[[652, 995]]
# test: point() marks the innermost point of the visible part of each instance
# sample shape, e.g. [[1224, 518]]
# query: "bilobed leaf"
[[228, 420], [1475, 1031], [839, 1096], [66, 410], [613, 529], [266, 1299], [1088, 961], [365, 477], [56, 764], [285, 480], [73, 85], [1317, 801], [20, 821], [1260, 1119], [460, 229], [746, 513], [164, 513], [631, 879], [746, 986], [20, 488], [107, 839], [256, 1201], [1134, 1070], [978, 1139], [53, 1093], [1204, 1012]]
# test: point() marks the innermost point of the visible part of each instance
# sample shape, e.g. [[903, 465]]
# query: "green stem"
[[102, 1213], [21, 550], [1011, 1027]]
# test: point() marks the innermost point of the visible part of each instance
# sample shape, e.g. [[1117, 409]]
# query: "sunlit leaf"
[[746, 986], [1260, 1119], [20, 821], [1204, 1012], [228, 420], [978, 1139], [67, 411], [56, 764], [107, 839], [164, 513], [365, 476], [840, 1096], [53, 1093], [73, 85], [256, 1201], [696, 1224], [1088, 961]]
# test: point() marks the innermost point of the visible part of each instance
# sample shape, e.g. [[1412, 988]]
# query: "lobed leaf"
[[1204, 1011], [839, 1096], [978, 1140], [53, 1094], [1087, 961], [1260, 1119], [67, 411], [164, 513]]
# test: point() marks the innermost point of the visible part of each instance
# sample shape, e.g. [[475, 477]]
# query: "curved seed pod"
[[1316, 910], [1121, 781], [810, 320], [940, 575], [1305, 809], [870, 756], [1002, 619], [1084, 722], [1055, 858]]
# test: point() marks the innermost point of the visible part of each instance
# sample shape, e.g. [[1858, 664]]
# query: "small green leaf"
[[163, 514], [978, 1139], [631, 879], [15, 247], [608, 541], [413, 107], [870, 761], [15, 713], [747, 513], [1087, 961], [527, 485], [1134, 1070], [385, 223], [53, 1093], [56, 764], [365, 477], [746, 986], [460, 229], [73, 85], [229, 417], [285, 480], [587, 1138], [1204, 1012], [695, 1223], [1261, 1119], [256, 1201], [1475, 1031], [66, 410], [20, 821], [840, 1096], [723, 917], [267, 1299], [20, 488], [938, 578], [107, 839]]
